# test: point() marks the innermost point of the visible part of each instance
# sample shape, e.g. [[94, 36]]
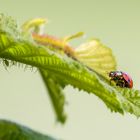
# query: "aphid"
[[6, 63], [121, 79]]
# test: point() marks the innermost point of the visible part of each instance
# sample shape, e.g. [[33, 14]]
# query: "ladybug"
[[121, 79]]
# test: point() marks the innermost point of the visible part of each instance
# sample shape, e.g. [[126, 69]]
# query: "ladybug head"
[[112, 74]]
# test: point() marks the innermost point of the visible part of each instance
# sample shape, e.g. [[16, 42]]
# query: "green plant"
[[54, 66]]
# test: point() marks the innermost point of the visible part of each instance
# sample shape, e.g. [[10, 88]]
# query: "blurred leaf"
[[34, 24], [96, 56], [13, 131], [71, 37], [55, 90]]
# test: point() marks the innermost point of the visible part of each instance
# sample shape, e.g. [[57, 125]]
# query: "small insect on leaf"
[[121, 79], [6, 62]]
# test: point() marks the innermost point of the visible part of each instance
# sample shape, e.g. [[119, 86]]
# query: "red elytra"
[[128, 79]]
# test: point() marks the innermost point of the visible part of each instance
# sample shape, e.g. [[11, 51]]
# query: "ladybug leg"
[[121, 83], [110, 81]]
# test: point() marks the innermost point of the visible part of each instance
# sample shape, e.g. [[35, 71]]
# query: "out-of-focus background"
[[23, 97]]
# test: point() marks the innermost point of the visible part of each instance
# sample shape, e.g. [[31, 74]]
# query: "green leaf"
[[64, 71], [63, 67], [132, 104], [55, 90], [96, 56], [13, 131]]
